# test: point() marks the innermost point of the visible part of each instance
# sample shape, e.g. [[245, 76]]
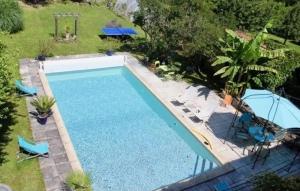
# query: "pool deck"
[[202, 102], [57, 166]]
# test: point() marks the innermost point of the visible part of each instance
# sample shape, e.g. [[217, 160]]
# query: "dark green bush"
[[38, 1], [285, 67], [271, 181], [6, 86], [291, 24], [10, 16], [251, 15]]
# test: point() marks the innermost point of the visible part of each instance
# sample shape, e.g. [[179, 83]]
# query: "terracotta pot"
[[228, 99], [152, 67]]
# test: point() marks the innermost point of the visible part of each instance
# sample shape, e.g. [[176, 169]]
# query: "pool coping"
[[70, 151], [201, 137]]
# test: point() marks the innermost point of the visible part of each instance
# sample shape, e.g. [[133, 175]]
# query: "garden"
[[36, 27], [226, 45]]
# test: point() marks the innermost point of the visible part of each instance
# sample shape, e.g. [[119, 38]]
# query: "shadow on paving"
[[243, 176], [8, 113]]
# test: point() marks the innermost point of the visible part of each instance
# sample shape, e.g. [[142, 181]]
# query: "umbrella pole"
[[233, 121], [259, 152]]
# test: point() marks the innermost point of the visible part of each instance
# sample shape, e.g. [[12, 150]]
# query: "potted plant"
[[43, 106], [79, 181], [231, 89], [67, 33], [44, 50], [109, 52]]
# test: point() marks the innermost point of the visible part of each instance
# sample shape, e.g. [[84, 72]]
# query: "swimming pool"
[[122, 133]]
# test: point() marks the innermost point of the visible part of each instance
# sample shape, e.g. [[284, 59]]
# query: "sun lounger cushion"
[[25, 89]]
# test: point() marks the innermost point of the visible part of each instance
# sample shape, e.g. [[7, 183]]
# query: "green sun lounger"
[[31, 150], [25, 89]]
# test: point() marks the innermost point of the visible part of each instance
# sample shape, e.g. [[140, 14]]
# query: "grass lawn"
[[39, 25]]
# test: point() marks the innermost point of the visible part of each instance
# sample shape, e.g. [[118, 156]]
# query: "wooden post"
[[56, 26], [76, 23]]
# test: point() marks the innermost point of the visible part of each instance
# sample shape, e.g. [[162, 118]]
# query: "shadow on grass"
[[8, 113], [122, 38]]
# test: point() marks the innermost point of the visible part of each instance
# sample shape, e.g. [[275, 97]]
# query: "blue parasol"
[[272, 107]]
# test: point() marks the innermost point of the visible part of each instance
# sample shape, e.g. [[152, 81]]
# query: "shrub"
[[11, 19], [250, 15], [77, 180], [6, 86], [291, 24], [271, 181], [38, 1], [284, 66]]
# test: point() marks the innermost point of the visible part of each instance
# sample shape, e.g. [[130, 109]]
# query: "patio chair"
[[25, 90], [201, 117], [31, 150], [185, 96], [245, 121], [241, 129]]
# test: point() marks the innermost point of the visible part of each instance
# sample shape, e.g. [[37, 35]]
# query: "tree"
[[291, 24], [242, 59], [184, 27], [153, 19]]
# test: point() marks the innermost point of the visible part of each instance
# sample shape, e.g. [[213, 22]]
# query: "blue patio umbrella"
[[272, 107]]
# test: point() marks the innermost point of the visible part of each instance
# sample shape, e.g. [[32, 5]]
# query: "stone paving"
[[205, 104], [200, 101], [56, 167]]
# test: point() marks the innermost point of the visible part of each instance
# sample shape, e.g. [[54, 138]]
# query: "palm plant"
[[243, 58], [78, 180], [43, 105]]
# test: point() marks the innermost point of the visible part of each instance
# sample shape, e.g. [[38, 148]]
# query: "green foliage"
[[291, 24], [78, 181], [170, 72], [250, 15], [187, 28], [6, 86], [43, 104], [11, 19], [288, 2], [285, 67], [271, 181], [243, 60], [233, 88]]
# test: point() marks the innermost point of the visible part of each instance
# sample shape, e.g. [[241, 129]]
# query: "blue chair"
[[222, 186], [25, 89], [244, 122], [31, 149]]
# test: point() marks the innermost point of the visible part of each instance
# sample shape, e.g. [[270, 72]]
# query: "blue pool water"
[[123, 136]]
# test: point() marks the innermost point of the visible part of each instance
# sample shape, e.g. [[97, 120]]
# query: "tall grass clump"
[[11, 19]]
